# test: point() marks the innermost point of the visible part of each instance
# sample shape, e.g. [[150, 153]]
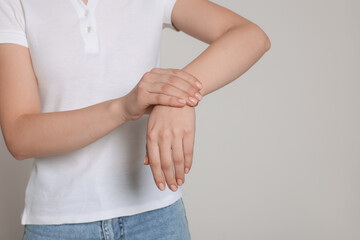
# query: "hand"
[[171, 133], [162, 87]]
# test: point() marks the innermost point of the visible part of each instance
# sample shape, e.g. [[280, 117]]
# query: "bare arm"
[[29, 133], [52, 133], [236, 43]]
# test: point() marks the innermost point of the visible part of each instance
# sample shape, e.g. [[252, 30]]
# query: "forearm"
[[42, 134], [228, 57]]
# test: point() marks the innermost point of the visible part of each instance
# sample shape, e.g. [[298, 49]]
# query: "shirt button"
[[86, 13], [89, 29]]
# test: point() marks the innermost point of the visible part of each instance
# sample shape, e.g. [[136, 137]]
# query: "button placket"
[[89, 32], [88, 25]]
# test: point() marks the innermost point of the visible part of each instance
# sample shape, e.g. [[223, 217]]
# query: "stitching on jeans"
[[122, 234], [102, 226]]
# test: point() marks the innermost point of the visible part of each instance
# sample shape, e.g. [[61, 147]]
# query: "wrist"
[[118, 111]]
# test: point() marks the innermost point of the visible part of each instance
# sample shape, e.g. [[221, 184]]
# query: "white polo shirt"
[[83, 55]]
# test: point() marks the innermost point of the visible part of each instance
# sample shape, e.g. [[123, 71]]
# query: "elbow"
[[19, 157], [14, 150], [267, 43], [14, 153], [261, 38], [13, 144], [265, 40]]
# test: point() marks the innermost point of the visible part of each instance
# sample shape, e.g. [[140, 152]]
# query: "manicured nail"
[[173, 187], [186, 170], [198, 96], [193, 100], [179, 181], [161, 186], [182, 100], [199, 85]]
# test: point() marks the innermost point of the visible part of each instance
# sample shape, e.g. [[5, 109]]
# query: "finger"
[[166, 161], [162, 99], [146, 158], [173, 87], [181, 73], [178, 159], [188, 147], [182, 84], [178, 78], [155, 165]]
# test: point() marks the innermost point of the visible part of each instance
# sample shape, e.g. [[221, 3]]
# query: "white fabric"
[[81, 59]]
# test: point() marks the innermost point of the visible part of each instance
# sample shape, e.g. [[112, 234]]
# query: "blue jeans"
[[167, 223]]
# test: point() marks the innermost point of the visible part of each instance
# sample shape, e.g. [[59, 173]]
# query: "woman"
[[82, 93]]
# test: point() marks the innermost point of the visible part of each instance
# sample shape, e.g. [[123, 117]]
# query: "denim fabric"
[[167, 223]]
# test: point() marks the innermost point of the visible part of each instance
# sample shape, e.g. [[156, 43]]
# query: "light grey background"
[[277, 151]]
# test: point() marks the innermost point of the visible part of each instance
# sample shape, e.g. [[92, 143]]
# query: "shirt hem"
[[102, 215]]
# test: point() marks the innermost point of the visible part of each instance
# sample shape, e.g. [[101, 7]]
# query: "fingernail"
[[173, 187], [193, 100], [198, 96], [179, 181], [144, 159], [199, 84], [186, 170], [161, 186]]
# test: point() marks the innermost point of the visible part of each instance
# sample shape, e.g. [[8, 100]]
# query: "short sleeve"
[[168, 7], [12, 23]]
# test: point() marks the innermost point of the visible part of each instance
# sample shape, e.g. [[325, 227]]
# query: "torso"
[[83, 56]]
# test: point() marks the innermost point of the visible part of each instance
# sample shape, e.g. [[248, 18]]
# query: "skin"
[[235, 44], [29, 133]]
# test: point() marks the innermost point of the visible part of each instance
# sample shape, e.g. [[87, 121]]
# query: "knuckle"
[[165, 87], [147, 75], [151, 136], [141, 82], [165, 165], [141, 86], [175, 131], [160, 98], [188, 153], [164, 135], [187, 131], [178, 160], [155, 164], [172, 79]]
